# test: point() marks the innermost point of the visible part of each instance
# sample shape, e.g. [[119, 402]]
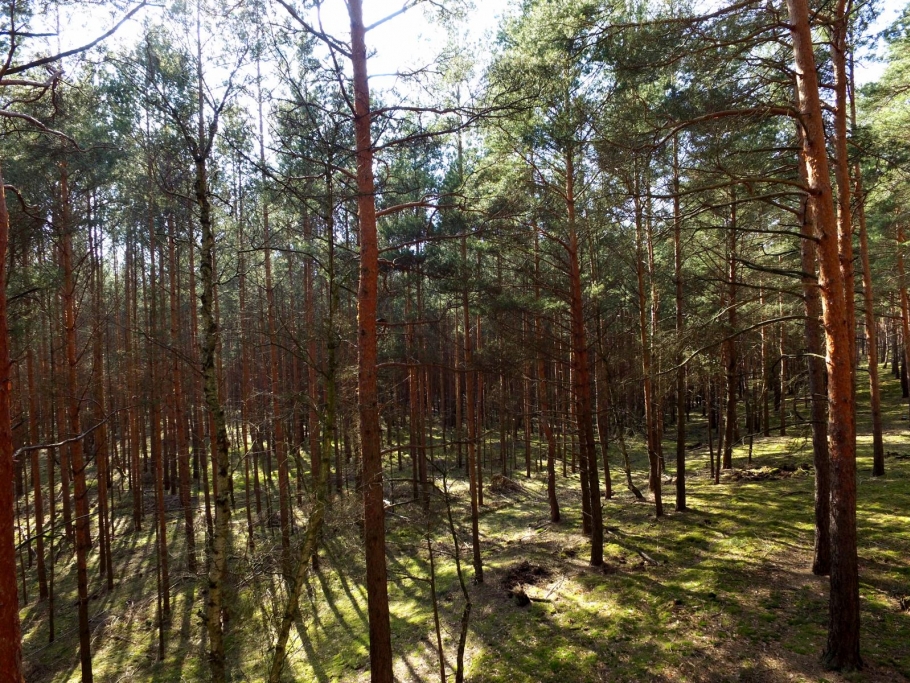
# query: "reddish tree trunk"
[[10, 634], [183, 449], [680, 325], [102, 458], [368, 399], [581, 375], [821, 561], [83, 539], [842, 650]]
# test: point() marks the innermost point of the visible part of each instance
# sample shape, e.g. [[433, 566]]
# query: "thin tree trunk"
[[459, 426], [284, 504], [904, 299], [183, 450], [765, 372], [654, 465], [155, 420], [471, 411], [368, 399], [34, 436], [102, 458], [729, 343], [680, 323], [83, 539], [878, 447], [219, 543]]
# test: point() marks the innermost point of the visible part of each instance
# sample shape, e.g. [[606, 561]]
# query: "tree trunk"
[[471, 412], [821, 561], [155, 420], [581, 375], [905, 305], [765, 372], [543, 399], [131, 354], [680, 322], [221, 531], [309, 275], [838, 43], [654, 464], [10, 634], [368, 399], [284, 494], [183, 450], [102, 458], [878, 447], [729, 343], [842, 650], [77, 461]]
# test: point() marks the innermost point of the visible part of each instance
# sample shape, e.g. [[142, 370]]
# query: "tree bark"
[[653, 461], [730, 358], [284, 503], [680, 328], [219, 542], [821, 561], [842, 650], [155, 420], [183, 449], [581, 375], [77, 461], [368, 399], [471, 412], [10, 634]]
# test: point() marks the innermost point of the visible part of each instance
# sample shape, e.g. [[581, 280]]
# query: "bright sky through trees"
[[409, 41]]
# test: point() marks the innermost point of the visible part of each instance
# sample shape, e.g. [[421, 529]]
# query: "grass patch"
[[730, 597]]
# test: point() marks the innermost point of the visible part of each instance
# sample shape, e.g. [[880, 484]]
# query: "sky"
[[868, 68], [413, 39], [409, 39]]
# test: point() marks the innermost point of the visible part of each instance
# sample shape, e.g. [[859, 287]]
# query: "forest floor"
[[720, 593]]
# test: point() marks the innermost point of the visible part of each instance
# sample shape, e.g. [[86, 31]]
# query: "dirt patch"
[[525, 574], [521, 575]]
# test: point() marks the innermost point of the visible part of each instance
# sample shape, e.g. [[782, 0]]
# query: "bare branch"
[[76, 50]]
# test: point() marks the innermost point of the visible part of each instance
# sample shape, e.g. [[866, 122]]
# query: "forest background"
[[571, 349]]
